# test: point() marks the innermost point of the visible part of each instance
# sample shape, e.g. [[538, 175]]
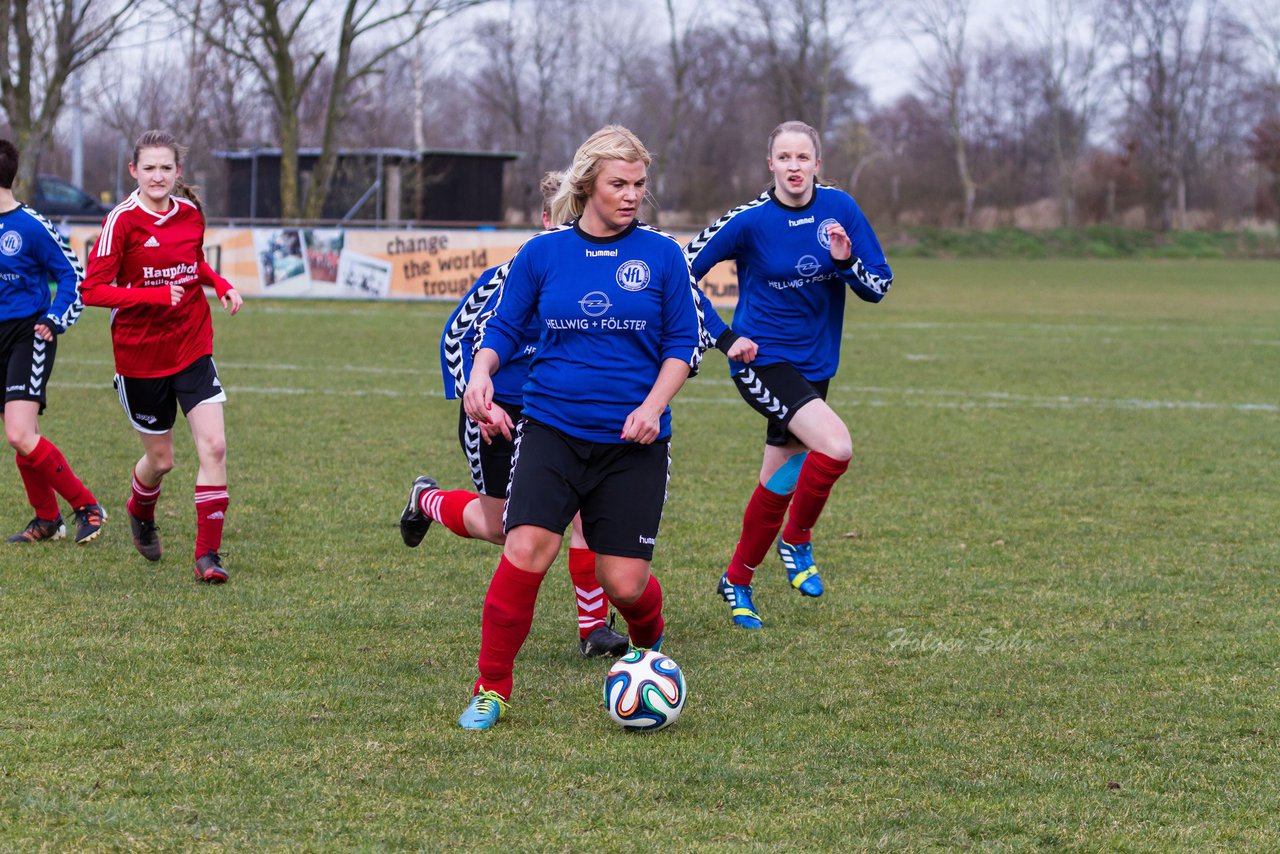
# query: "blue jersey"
[[790, 290], [612, 310], [457, 344], [31, 254]]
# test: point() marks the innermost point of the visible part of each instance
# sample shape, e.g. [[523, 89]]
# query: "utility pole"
[[77, 132]]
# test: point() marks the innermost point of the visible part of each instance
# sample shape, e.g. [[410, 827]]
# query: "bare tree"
[[801, 48], [522, 59], [1166, 48], [42, 43], [1065, 41], [287, 43], [945, 75], [1261, 20], [680, 33]]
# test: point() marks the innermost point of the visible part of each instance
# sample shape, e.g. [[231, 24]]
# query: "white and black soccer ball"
[[644, 691]]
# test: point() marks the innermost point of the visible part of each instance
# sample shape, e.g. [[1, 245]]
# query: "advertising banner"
[[348, 263]]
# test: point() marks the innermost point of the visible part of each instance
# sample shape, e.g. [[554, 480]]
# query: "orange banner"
[[342, 263]]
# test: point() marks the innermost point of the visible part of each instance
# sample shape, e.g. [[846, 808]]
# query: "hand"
[[175, 294], [841, 245], [501, 423], [232, 301], [477, 400], [642, 427], [43, 331], [743, 350]]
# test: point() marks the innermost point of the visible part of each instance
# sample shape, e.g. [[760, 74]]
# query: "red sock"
[[644, 616], [54, 469], [818, 474], [211, 508], [446, 508], [592, 603], [142, 503], [507, 616], [39, 492], [760, 524]]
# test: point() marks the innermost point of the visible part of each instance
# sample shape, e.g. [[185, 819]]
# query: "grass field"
[[1053, 576]]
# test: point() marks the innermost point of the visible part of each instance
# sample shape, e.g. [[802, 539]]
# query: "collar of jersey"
[[160, 217], [787, 207], [591, 238]]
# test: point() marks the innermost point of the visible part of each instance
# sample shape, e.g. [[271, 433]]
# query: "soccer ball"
[[644, 691]]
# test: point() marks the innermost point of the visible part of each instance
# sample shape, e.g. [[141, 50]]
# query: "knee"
[[837, 444], [161, 463], [841, 450], [625, 591], [213, 450], [22, 439], [528, 550]]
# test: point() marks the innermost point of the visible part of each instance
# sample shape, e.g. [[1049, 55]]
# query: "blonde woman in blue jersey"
[[479, 514], [798, 247], [621, 333]]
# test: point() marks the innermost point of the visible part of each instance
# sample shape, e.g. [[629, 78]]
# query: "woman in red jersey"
[[148, 267]]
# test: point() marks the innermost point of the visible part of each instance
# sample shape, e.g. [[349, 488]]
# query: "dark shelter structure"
[[375, 184]]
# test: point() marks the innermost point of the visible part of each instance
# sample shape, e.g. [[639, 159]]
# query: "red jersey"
[[139, 254]]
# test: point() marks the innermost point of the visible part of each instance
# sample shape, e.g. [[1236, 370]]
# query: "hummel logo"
[[151, 242]]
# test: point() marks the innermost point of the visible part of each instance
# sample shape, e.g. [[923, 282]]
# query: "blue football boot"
[[801, 572], [485, 709], [741, 607]]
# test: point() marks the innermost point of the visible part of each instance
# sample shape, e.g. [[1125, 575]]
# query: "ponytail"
[[188, 191]]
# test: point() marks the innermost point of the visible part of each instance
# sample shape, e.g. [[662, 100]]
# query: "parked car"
[[55, 198]]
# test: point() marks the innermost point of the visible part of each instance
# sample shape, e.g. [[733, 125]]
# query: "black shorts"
[[776, 392], [618, 488], [152, 402], [490, 463], [26, 359]]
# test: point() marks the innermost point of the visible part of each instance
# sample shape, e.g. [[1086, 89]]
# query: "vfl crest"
[[633, 276], [11, 243], [822, 232]]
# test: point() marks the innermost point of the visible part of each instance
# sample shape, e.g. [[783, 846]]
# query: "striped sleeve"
[[455, 360], [867, 272], [65, 269], [699, 299]]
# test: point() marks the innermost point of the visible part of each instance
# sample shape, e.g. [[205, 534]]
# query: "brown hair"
[[164, 139], [8, 163], [796, 127], [548, 186]]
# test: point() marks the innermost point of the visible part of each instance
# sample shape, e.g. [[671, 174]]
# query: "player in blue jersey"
[[620, 335], [798, 246], [31, 255], [489, 450]]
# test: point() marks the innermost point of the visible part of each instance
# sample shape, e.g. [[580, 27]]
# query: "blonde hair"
[[164, 139], [548, 186], [612, 142], [796, 127]]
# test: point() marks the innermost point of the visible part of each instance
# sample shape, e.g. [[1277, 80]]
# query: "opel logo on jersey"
[[11, 243], [595, 304], [633, 276], [807, 266], [823, 237]]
